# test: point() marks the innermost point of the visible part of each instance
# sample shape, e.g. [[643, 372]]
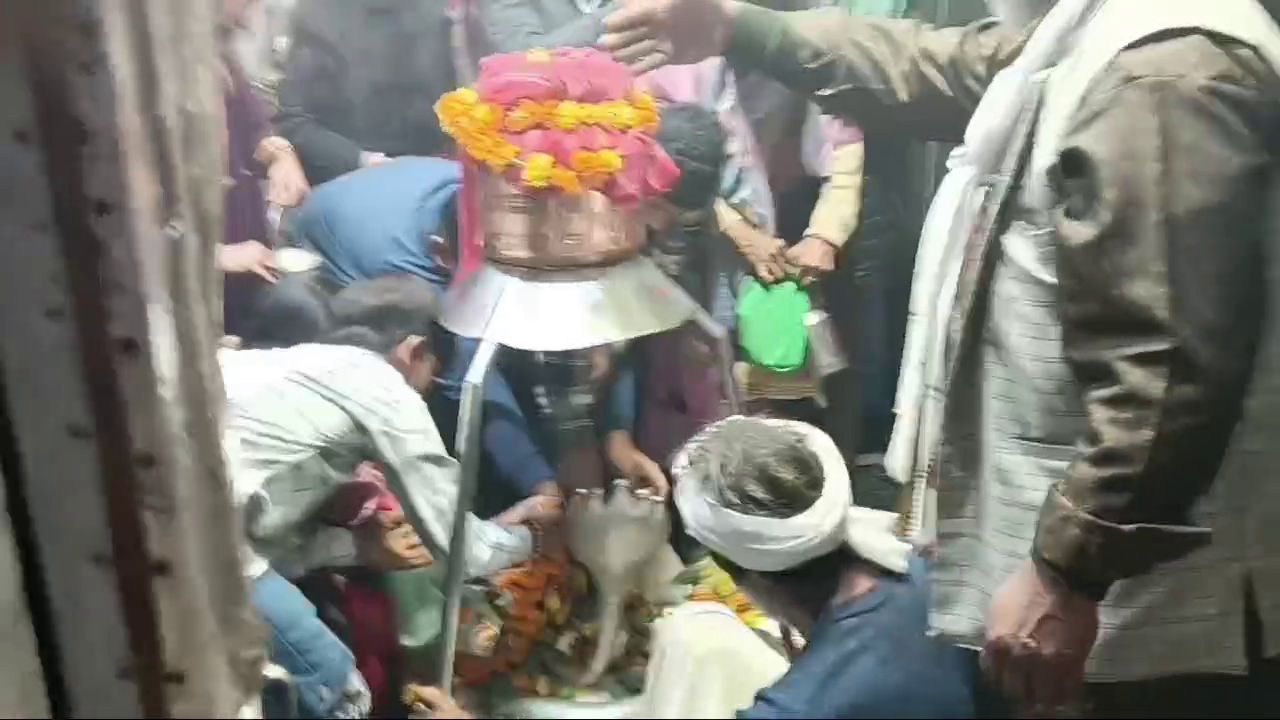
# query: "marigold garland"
[[477, 127]]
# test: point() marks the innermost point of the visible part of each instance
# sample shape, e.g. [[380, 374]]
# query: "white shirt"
[[299, 421]]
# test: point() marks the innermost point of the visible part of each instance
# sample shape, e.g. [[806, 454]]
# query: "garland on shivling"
[[567, 120]]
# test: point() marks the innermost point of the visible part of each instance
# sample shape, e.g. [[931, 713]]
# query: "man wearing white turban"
[[772, 501]]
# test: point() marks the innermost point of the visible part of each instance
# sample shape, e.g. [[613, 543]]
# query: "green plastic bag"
[[771, 324], [419, 603]]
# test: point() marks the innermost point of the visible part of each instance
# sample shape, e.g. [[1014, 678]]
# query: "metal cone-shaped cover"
[[566, 310]]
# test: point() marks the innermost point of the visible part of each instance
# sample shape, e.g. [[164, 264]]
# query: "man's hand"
[[766, 253], [432, 702], [287, 184], [1039, 634], [250, 256], [539, 509], [646, 34], [387, 542], [635, 466], [812, 258]]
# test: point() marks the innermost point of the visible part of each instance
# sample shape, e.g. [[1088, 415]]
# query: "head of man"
[[695, 141], [771, 500], [294, 310], [693, 138], [396, 317]]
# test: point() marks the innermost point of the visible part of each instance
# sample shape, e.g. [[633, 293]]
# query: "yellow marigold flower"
[[568, 115], [566, 181], [537, 170], [608, 161], [487, 116], [463, 96]]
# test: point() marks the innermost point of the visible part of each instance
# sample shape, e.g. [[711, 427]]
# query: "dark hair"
[[293, 311], [693, 138], [379, 314]]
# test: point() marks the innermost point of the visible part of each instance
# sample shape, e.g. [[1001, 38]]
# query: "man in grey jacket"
[[1108, 403]]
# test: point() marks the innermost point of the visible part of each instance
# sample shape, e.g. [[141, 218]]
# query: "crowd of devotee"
[[590, 358]]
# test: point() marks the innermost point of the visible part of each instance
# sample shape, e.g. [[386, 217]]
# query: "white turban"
[[766, 544]]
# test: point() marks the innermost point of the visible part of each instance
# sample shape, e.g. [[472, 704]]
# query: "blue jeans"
[[323, 670]]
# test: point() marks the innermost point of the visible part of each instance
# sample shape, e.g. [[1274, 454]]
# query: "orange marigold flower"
[[583, 161], [566, 181]]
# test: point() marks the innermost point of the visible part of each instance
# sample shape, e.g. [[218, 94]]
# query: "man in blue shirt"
[[771, 499]]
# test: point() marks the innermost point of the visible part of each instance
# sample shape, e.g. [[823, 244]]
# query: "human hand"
[[766, 254], [432, 702], [811, 258], [1039, 634], [250, 256], [646, 34], [287, 184], [633, 465], [536, 509], [387, 542]]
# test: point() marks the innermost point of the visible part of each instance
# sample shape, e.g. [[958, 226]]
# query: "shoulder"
[[1188, 60]]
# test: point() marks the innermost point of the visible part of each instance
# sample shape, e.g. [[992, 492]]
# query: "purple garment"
[[245, 206], [681, 392]]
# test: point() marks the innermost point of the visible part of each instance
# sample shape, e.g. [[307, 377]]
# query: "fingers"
[[650, 62], [638, 51], [630, 19], [433, 697], [769, 272], [266, 272]]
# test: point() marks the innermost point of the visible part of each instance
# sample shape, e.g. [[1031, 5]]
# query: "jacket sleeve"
[[1161, 191], [840, 201], [421, 474], [514, 25], [324, 153], [897, 76]]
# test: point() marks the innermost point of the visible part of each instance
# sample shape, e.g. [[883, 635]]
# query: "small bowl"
[[296, 260]]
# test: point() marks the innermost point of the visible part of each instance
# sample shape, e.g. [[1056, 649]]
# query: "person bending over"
[[772, 501], [299, 422]]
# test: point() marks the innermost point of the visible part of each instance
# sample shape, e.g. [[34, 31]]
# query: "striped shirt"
[[300, 420]]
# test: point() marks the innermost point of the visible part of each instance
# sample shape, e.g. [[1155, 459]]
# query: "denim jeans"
[[322, 669]]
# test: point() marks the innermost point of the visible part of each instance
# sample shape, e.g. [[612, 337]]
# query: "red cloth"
[[374, 641], [363, 496]]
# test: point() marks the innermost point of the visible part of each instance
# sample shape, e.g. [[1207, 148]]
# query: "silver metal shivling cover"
[[562, 168]]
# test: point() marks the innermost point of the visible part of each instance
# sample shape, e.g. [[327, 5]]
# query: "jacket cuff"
[[751, 36], [1089, 554]]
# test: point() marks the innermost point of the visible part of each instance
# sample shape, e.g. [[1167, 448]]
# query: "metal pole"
[[468, 449]]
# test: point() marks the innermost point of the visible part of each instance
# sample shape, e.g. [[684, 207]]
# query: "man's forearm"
[[896, 76]]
